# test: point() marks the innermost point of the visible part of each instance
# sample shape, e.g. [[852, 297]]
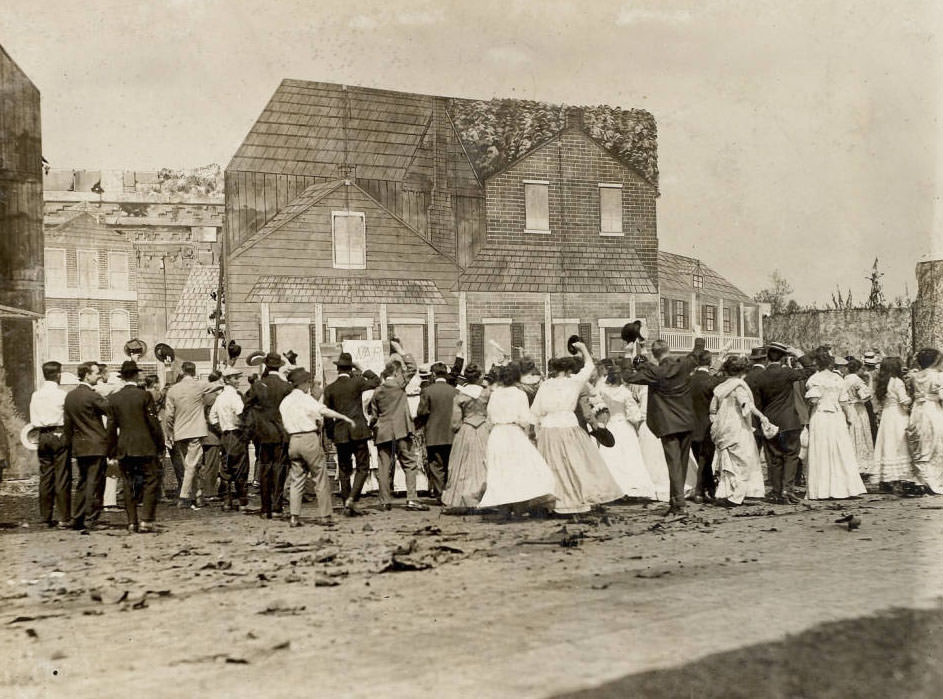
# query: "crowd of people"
[[647, 426]]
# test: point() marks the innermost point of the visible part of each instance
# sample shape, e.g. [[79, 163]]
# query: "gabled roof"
[[280, 289], [549, 268], [676, 272], [311, 128], [188, 326]]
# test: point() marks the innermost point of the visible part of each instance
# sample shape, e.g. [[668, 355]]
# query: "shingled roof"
[[279, 289], [676, 272], [549, 268], [191, 317], [313, 128]]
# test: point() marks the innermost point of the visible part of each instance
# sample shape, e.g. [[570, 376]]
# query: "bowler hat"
[[758, 354], [299, 377], [273, 360], [163, 352], [344, 361], [255, 358], [632, 331], [129, 369]]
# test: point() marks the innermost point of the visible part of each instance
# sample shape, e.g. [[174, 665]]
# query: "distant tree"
[[876, 296], [777, 294]]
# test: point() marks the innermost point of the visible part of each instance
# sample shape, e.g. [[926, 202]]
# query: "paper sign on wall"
[[367, 354]]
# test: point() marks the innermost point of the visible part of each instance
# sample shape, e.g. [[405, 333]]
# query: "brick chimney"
[[574, 118]]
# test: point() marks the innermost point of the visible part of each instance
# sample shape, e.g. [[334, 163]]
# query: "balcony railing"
[[683, 341]]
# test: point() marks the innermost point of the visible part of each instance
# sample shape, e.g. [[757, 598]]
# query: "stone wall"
[[850, 331], [928, 311]]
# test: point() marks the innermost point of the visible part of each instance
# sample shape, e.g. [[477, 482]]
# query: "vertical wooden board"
[[271, 205], [281, 192]]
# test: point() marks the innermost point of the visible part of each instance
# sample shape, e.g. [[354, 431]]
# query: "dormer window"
[[610, 209], [536, 206]]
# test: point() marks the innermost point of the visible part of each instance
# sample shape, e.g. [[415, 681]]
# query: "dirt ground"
[[726, 603]]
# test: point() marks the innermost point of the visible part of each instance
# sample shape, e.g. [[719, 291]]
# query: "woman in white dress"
[[517, 474], [892, 463], [832, 466], [736, 458], [926, 419], [580, 472], [854, 402], [624, 458]]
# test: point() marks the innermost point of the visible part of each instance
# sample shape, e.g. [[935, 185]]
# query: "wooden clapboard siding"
[[469, 226]]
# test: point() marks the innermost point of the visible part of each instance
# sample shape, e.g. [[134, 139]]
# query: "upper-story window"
[[709, 317], [55, 270], [120, 321], [728, 325], [89, 338], [350, 240], [536, 206], [680, 313], [610, 209], [117, 270], [87, 262], [57, 335]]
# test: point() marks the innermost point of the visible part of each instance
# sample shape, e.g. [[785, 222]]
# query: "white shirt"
[[226, 409], [301, 412], [46, 405]]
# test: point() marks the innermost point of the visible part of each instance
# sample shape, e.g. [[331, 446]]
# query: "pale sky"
[[803, 136]]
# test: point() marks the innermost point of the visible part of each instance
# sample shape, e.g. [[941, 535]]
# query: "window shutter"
[[425, 343], [517, 340], [312, 344], [543, 347], [476, 345], [586, 332], [273, 343]]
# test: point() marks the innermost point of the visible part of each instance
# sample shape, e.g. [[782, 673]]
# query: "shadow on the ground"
[[894, 654]]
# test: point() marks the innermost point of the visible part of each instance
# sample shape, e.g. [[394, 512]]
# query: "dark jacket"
[[84, 428], [345, 395], [262, 403], [133, 426], [435, 413], [670, 407], [775, 392], [390, 407], [702, 390]]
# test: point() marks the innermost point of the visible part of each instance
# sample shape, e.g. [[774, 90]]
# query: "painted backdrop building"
[[359, 213]]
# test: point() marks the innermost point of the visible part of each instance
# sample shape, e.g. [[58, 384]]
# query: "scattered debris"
[[852, 521], [653, 572], [38, 617], [279, 608], [561, 537]]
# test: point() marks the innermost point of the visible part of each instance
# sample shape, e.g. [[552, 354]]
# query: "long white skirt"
[[832, 465], [517, 473], [625, 462]]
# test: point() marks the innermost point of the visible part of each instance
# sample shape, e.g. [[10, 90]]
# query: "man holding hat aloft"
[[302, 415], [345, 395], [774, 393], [263, 400], [226, 415], [136, 439]]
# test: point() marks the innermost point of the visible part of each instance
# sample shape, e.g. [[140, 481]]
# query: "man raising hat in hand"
[[136, 438], [345, 395], [302, 415], [226, 415]]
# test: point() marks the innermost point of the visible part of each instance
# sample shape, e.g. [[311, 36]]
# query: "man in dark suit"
[[670, 412], [345, 396], [702, 446], [136, 439], [262, 401], [776, 399], [757, 367], [435, 415], [84, 429]]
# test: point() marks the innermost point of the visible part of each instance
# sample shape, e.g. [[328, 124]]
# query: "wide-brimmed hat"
[[778, 346], [758, 354], [632, 331], [129, 369], [231, 371], [571, 342], [273, 360], [344, 361], [135, 346], [871, 358], [604, 437], [29, 436], [840, 361], [255, 358], [233, 349], [163, 352], [291, 356], [298, 377]]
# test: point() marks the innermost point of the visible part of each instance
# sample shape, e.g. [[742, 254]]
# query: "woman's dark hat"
[[758, 354], [344, 361], [163, 352], [299, 377], [569, 343], [291, 356], [233, 350], [255, 358], [604, 437], [273, 361], [632, 331], [135, 346]]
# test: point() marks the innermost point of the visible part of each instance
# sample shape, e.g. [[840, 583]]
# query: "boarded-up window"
[[412, 336], [120, 332], [536, 207], [89, 343], [117, 270], [87, 261], [350, 240], [610, 209], [561, 333], [57, 336], [497, 335], [55, 268]]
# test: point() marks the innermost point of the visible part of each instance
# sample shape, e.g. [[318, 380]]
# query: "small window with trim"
[[350, 240], [610, 209], [536, 206]]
